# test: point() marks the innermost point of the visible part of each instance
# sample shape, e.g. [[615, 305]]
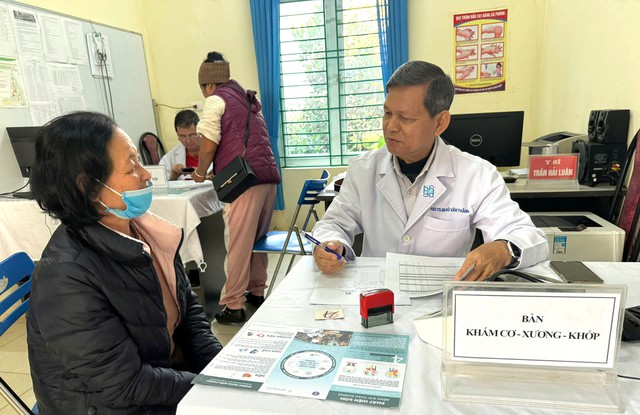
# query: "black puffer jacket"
[[98, 342]]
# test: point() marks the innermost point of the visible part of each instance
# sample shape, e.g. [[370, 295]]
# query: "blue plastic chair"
[[15, 287], [281, 241]]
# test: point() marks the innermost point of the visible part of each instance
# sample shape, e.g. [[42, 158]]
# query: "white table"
[[24, 227], [289, 305], [185, 209]]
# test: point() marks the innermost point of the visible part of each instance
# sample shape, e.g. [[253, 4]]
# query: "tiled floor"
[[14, 363]]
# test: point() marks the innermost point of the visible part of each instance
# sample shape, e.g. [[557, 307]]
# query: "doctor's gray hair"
[[439, 95]]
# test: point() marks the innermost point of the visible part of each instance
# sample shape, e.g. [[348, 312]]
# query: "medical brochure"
[[345, 366]]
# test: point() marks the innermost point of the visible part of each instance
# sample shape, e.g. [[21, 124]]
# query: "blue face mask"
[[137, 202]]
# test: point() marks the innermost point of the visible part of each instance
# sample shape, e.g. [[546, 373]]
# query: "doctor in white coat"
[[417, 195]]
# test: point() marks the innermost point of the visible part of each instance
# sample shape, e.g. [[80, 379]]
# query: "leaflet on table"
[[419, 276], [344, 287], [345, 366], [178, 186]]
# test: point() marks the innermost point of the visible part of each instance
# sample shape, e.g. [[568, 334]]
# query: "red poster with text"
[[480, 44], [557, 167]]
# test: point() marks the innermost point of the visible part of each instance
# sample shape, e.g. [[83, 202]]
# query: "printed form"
[[406, 275], [419, 276]]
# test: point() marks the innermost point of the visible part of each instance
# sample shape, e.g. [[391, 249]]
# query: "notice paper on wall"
[[344, 366]]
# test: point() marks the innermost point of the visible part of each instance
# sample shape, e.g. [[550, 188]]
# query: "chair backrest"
[[310, 191], [325, 174], [308, 196], [630, 212], [15, 286], [624, 211], [151, 148]]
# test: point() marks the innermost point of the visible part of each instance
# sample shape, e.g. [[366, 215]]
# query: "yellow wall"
[[431, 39], [124, 14], [591, 61], [182, 33], [564, 57]]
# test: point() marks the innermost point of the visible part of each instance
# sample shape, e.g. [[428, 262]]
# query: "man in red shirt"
[[185, 154]]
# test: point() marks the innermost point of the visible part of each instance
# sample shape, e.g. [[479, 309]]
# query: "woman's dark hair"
[[214, 57], [71, 153]]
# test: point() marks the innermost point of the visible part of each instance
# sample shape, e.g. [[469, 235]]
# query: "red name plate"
[[557, 167]]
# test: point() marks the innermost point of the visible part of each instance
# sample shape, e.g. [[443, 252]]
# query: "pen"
[[321, 245], [462, 278]]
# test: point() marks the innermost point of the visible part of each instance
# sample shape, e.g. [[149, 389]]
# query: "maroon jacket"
[[233, 126]]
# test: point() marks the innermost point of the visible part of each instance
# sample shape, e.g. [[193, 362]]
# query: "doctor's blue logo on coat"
[[428, 191]]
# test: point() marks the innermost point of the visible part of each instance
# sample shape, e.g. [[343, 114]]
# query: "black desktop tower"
[[599, 162], [608, 126]]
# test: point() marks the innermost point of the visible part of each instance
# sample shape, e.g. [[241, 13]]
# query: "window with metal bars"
[[331, 81]]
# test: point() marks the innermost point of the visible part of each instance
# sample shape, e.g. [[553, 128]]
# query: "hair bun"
[[214, 57]]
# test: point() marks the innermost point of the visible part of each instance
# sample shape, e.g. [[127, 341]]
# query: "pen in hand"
[[466, 273], [321, 245]]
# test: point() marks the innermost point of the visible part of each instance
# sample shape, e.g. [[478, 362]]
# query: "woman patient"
[[113, 326]]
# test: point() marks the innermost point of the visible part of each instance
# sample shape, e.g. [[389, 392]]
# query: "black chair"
[[625, 207], [150, 148]]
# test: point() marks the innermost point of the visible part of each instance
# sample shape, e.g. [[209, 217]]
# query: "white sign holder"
[[549, 345], [158, 178]]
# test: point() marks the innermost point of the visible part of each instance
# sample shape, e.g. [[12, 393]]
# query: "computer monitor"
[[493, 136], [23, 141]]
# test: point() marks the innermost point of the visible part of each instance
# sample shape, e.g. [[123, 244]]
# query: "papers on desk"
[[406, 275], [521, 173], [179, 186], [429, 329], [313, 363], [344, 287], [419, 276]]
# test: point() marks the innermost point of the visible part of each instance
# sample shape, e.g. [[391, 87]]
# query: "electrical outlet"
[[196, 105]]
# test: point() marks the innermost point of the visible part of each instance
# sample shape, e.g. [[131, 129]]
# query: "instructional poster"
[[345, 366], [481, 50], [12, 92]]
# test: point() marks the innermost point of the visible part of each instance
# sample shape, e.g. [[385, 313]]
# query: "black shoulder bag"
[[237, 176]]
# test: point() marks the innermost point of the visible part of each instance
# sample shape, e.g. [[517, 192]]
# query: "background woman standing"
[[223, 124]]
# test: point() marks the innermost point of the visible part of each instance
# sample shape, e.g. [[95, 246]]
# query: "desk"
[[24, 227], [542, 198], [546, 197], [289, 305]]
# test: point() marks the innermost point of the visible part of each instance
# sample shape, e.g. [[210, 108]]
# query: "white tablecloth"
[[289, 305], [24, 227]]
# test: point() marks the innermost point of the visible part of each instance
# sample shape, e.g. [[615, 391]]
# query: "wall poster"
[[480, 45]]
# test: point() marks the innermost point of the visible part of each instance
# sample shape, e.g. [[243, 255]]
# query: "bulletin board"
[[54, 68]]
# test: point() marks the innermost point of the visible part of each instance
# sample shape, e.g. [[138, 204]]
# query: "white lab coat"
[[459, 193], [177, 155]]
